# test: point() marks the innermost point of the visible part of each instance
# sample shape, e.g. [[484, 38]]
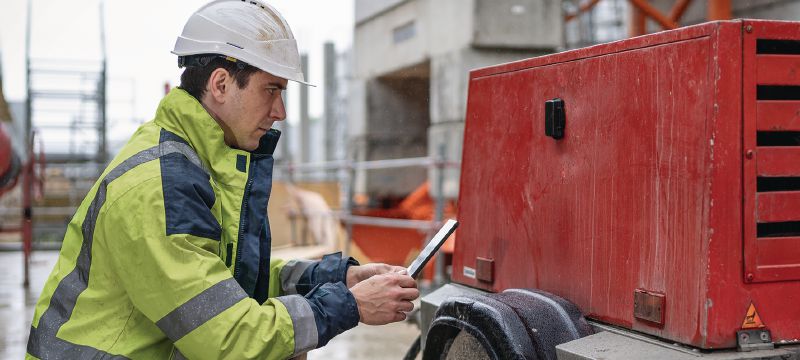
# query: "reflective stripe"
[[56, 348], [42, 342], [305, 328], [201, 308], [169, 147], [291, 273]]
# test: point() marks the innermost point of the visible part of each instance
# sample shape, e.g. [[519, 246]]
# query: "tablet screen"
[[433, 246]]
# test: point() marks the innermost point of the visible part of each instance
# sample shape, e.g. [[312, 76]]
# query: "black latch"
[[555, 118]]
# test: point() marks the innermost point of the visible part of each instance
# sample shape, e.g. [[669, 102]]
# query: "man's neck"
[[225, 130]]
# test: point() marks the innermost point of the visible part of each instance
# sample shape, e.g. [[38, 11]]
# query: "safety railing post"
[[350, 180], [439, 276]]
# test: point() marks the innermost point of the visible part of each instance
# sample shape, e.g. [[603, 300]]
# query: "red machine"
[[32, 176], [10, 164], [653, 182]]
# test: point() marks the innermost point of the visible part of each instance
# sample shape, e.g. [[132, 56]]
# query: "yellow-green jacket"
[[168, 256]]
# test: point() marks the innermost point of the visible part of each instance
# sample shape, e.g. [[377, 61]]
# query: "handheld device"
[[433, 246]]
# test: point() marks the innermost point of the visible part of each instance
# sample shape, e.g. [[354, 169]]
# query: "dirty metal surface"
[[611, 345]]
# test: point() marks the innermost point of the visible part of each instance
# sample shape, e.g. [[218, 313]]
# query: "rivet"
[[749, 154], [750, 276], [748, 28]]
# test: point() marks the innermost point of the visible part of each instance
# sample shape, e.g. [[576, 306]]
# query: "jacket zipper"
[[243, 217]]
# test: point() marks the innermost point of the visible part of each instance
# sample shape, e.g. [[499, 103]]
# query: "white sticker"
[[469, 272]]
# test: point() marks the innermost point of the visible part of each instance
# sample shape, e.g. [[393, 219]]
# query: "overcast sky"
[[140, 35]]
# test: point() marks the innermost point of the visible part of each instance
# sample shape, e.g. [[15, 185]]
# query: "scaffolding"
[[66, 108]]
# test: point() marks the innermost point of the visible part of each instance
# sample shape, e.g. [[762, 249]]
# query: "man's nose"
[[278, 109]]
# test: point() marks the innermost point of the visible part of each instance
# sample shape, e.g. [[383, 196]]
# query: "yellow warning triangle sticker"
[[752, 320]]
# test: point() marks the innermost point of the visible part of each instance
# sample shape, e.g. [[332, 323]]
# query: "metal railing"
[[346, 175]]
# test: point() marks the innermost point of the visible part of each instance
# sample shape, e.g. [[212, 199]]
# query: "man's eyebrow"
[[278, 85]]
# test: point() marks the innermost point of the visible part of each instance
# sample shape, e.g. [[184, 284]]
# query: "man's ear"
[[217, 85]]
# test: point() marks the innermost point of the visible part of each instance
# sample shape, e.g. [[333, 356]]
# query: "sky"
[[139, 37]]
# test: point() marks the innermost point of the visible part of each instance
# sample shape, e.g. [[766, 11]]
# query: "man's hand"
[[384, 298], [357, 274]]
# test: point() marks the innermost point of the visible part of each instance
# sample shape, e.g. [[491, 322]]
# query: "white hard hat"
[[251, 31]]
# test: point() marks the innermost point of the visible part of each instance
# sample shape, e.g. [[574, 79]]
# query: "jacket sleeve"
[[275, 267], [178, 282], [301, 276]]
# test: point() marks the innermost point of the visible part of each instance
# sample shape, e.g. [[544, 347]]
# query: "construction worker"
[[168, 256]]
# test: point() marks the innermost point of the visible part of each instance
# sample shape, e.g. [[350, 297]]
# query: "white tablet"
[[433, 246]]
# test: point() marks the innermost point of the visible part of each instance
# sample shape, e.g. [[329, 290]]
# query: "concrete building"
[[412, 60]]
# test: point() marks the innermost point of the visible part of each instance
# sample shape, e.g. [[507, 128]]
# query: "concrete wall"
[[517, 24], [432, 44], [399, 120], [369, 8]]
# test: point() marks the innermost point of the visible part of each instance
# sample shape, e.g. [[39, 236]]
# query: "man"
[[169, 254]]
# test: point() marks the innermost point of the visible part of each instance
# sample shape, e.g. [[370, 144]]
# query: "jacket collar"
[[180, 113]]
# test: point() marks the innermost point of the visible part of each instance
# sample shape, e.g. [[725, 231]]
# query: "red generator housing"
[[670, 203]]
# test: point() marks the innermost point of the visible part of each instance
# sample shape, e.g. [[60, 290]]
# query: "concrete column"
[[283, 152], [305, 125], [331, 96]]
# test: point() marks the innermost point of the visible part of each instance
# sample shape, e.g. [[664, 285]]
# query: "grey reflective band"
[[291, 273], [169, 147], [201, 308], [305, 327], [43, 342]]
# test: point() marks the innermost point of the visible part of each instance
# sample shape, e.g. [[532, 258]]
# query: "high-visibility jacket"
[[169, 257]]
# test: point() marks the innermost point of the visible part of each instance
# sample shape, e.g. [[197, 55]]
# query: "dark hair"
[[196, 75]]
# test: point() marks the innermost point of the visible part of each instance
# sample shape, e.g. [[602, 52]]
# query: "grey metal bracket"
[[754, 339]]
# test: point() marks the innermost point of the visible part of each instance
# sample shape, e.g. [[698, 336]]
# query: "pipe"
[[648, 9], [678, 10], [719, 10], [638, 23]]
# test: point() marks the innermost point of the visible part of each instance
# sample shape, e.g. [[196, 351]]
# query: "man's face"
[[248, 113]]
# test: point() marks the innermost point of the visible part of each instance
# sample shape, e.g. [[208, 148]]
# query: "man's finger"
[[408, 294], [399, 317], [406, 281], [405, 306], [398, 269]]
